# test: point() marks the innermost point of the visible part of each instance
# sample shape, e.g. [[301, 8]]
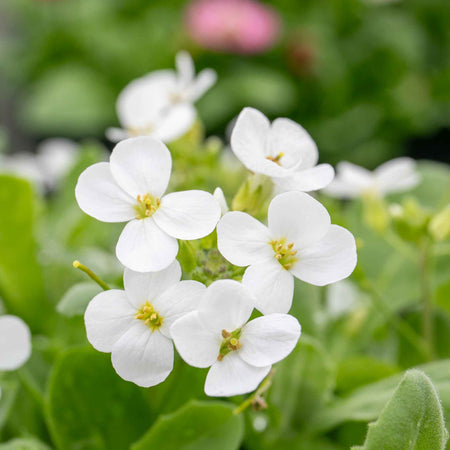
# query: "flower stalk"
[[91, 275]]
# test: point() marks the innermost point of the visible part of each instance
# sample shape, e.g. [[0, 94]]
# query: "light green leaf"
[[24, 444], [76, 299], [365, 403], [196, 426], [411, 420], [90, 407], [21, 285]]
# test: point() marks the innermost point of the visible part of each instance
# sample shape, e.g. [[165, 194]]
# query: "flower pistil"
[[230, 342], [146, 205], [284, 252], [276, 159], [150, 317]]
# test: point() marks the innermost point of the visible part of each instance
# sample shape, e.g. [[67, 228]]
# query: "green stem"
[[262, 389], [91, 274], [426, 296], [30, 384], [398, 244], [402, 327]]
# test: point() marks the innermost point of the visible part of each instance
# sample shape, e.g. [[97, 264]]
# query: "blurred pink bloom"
[[236, 26]]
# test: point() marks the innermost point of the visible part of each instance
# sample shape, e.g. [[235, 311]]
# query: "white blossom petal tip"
[[15, 342]]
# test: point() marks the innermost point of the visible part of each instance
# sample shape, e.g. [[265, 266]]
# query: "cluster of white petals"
[[15, 342], [218, 335], [299, 241], [134, 324], [161, 104], [396, 175], [130, 188], [282, 150]]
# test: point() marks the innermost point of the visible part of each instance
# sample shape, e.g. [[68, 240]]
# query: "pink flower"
[[235, 26]]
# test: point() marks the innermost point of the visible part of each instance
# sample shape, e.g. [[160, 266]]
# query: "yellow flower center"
[[230, 342], [140, 131], [146, 206], [150, 317], [284, 252], [276, 159]]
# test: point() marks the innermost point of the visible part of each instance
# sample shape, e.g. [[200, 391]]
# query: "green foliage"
[[199, 426], [76, 299], [90, 407], [412, 419], [24, 444]]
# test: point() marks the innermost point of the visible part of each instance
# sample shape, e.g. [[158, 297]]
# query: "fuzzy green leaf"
[[77, 297]]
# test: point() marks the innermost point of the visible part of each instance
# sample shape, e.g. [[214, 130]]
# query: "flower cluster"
[[211, 326]]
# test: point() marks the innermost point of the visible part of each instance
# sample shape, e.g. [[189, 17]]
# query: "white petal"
[[188, 214], [221, 200], [342, 297], [177, 301], [144, 247], [396, 175], [194, 341], [233, 376], [306, 180], [115, 134], [294, 142], [202, 83], [15, 342], [141, 165], [142, 356], [185, 67], [99, 195], [351, 180], [108, 316], [272, 286], [242, 239], [174, 122], [329, 260], [141, 287], [299, 218], [226, 305], [268, 339]]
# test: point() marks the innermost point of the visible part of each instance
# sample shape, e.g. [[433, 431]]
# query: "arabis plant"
[[218, 335], [281, 150], [396, 175], [299, 241], [134, 324], [130, 189], [161, 104], [15, 342]]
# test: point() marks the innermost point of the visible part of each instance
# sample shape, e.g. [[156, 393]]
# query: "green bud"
[[439, 226], [410, 220], [375, 212]]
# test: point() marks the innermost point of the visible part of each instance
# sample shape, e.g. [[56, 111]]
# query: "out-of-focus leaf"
[[366, 403], [76, 299], [21, 284], [90, 407], [412, 419], [8, 391], [196, 426], [24, 444]]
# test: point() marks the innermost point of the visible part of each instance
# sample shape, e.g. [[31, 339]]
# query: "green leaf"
[[365, 403], [412, 419], [196, 426], [90, 407], [76, 299], [8, 393], [21, 285], [24, 444]]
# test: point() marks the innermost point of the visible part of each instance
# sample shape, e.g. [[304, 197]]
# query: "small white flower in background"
[[282, 150], [396, 175], [52, 161], [342, 297], [130, 189], [221, 200], [15, 342], [300, 242], [160, 104], [217, 335], [134, 324]]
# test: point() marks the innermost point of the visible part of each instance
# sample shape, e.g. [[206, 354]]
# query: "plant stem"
[[426, 296], [402, 327], [91, 274], [262, 389]]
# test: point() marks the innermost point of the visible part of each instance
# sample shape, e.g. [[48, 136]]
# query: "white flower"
[[160, 104], [15, 342], [130, 188], [221, 200], [134, 325], [282, 150], [396, 175], [342, 297], [217, 335], [300, 242], [52, 161]]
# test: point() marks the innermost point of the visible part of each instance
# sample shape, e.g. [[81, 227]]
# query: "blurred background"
[[369, 79]]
